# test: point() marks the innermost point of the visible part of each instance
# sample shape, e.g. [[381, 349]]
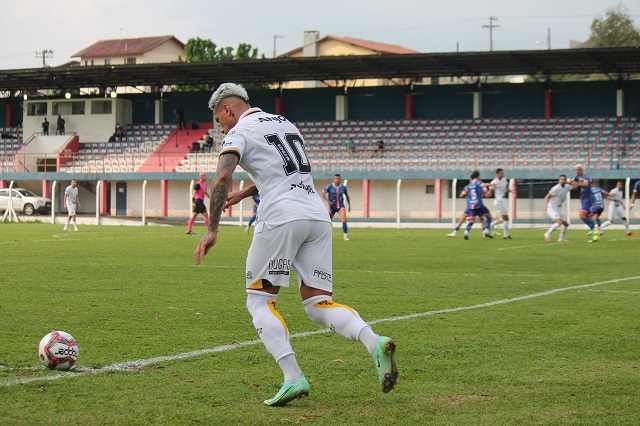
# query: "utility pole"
[[275, 37], [44, 54], [491, 26], [549, 38]]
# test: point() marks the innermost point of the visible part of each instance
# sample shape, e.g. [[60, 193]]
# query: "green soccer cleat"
[[288, 392], [590, 233], [384, 359]]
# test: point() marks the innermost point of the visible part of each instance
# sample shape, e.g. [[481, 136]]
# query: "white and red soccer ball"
[[58, 350]]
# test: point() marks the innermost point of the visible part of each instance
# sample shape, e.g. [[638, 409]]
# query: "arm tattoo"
[[221, 184]]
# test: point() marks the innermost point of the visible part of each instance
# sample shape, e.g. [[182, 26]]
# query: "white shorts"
[[304, 245], [556, 214], [71, 208], [501, 207], [616, 211]]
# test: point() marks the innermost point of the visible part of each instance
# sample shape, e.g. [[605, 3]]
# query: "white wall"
[[90, 127]]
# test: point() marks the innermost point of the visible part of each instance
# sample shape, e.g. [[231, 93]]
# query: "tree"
[[616, 29], [199, 50]]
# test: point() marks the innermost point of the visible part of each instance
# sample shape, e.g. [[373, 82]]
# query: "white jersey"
[[616, 196], [271, 150], [500, 188], [558, 196], [72, 194]]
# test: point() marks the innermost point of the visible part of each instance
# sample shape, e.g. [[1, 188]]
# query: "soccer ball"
[[58, 350]]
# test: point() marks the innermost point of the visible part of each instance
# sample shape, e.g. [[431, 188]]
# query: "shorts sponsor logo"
[[279, 266], [322, 274], [303, 186], [249, 275]]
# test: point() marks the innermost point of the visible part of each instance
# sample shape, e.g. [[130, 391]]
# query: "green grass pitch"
[[532, 343]]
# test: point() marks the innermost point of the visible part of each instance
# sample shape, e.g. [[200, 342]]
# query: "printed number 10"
[[294, 141]]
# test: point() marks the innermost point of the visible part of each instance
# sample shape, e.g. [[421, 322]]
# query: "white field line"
[[554, 244], [618, 291], [132, 365]]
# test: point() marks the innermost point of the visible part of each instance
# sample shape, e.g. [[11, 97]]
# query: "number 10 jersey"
[[271, 150]]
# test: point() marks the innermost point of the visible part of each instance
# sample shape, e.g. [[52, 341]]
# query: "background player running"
[[334, 194], [554, 201], [597, 206], [500, 187], [583, 183], [473, 193], [616, 208], [256, 203]]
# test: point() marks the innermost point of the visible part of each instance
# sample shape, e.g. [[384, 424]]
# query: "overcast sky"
[[68, 26]]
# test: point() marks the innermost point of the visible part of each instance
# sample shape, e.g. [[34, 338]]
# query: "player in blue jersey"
[[583, 183], [334, 195], [473, 193], [254, 215], [598, 205], [636, 191]]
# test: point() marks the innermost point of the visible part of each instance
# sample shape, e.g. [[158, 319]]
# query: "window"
[[130, 61], [4, 192], [101, 107], [107, 61], [68, 108], [37, 108], [430, 189]]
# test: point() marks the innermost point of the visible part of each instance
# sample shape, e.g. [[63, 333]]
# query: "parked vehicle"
[[25, 201]]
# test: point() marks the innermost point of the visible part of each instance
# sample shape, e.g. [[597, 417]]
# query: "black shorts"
[[200, 207]]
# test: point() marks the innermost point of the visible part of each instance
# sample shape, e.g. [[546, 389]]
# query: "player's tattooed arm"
[[221, 185]]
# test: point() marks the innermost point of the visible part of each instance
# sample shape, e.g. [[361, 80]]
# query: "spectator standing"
[[45, 127], [179, 113], [61, 122]]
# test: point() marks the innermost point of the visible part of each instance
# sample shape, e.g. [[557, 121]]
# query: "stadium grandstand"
[[434, 135]]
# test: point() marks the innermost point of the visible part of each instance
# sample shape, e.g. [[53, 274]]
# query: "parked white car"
[[25, 201]]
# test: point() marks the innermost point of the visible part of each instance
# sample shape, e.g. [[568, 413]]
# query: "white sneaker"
[[75, 229], [452, 235], [546, 238], [65, 229]]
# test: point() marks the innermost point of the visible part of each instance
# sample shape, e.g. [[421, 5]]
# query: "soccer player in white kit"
[[616, 208], [293, 231], [554, 202], [71, 200], [500, 187]]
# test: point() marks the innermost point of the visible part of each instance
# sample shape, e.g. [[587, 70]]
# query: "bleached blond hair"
[[579, 166], [226, 90]]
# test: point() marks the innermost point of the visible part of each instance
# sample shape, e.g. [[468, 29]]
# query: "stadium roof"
[[618, 61]]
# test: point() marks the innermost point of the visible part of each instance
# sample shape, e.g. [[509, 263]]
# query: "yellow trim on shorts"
[[256, 285], [331, 304], [272, 308]]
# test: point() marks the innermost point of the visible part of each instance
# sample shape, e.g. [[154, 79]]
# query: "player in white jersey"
[[554, 202], [616, 208], [71, 201], [293, 231], [500, 187]]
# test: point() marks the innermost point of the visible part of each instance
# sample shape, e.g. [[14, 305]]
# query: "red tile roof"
[[379, 48], [124, 46]]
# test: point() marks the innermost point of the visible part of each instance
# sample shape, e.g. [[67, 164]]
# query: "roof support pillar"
[[159, 112], [477, 104], [342, 107]]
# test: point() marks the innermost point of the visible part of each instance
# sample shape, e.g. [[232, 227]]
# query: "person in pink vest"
[[199, 192]]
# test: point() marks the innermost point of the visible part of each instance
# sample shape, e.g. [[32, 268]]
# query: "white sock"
[[626, 225], [564, 232], [290, 368], [604, 225], [506, 228], [368, 338], [74, 224], [553, 228], [339, 318], [66, 225], [272, 330]]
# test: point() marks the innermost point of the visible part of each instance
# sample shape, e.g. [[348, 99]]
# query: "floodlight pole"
[[275, 37]]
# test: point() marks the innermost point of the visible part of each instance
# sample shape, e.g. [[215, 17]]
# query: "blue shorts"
[[333, 210], [467, 212], [596, 209], [586, 206], [481, 211]]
